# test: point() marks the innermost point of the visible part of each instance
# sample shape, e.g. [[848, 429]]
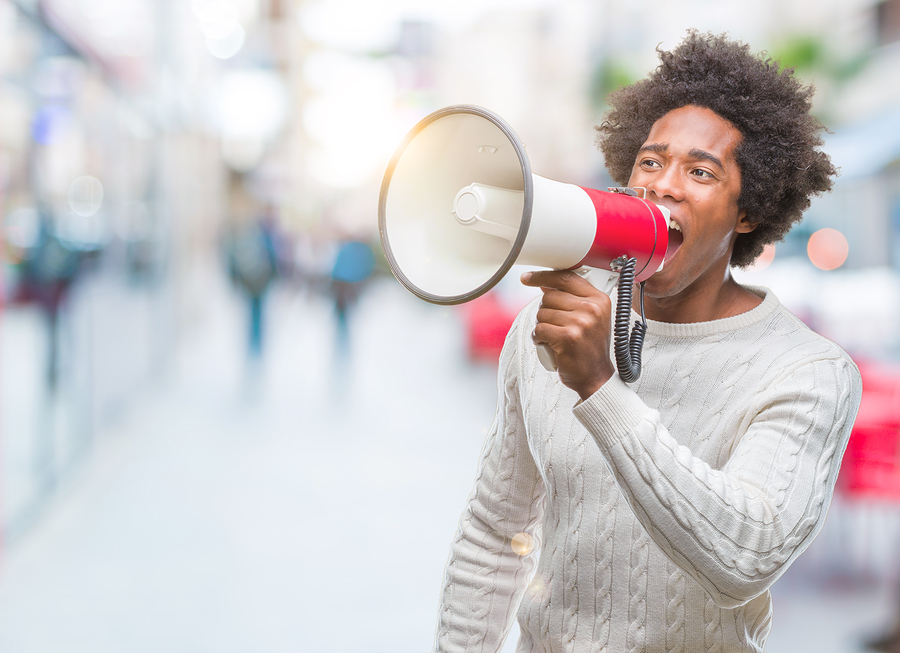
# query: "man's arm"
[[485, 576], [734, 530]]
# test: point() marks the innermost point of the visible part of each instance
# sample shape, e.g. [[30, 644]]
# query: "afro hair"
[[778, 156]]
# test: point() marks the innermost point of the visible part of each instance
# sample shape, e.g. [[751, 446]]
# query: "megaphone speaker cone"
[[437, 243]]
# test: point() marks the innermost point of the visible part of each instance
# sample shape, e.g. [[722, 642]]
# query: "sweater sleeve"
[[488, 569], [735, 530]]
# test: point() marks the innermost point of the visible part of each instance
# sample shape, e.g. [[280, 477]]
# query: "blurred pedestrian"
[[887, 643], [253, 265], [49, 270], [664, 510], [353, 265]]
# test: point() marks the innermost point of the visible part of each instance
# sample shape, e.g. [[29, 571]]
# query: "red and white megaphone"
[[459, 207]]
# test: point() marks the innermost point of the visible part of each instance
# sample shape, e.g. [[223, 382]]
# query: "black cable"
[[628, 349]]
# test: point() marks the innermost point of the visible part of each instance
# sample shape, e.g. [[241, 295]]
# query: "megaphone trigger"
[[603, 280]]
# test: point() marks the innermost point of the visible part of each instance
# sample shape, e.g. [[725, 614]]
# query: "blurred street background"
[[225, 427]]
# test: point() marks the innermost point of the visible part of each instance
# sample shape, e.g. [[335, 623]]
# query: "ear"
[[745, 225]]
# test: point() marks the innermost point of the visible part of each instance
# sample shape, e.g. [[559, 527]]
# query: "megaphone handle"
[[546, 356], [602, 280]]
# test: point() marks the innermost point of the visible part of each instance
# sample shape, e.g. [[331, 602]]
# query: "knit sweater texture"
[[651, 517]]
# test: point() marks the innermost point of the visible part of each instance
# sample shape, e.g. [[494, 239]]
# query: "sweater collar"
[[667, 329]]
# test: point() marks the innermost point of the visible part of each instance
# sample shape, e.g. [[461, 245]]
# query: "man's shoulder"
[[790, 341], [769, 338], [785, 324]]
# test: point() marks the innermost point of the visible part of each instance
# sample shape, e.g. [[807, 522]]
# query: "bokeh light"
[[538, 588], [351, 118], [765, 259], [85, 196], [522, 544], [828, 249], [249, 104], [228, 44]]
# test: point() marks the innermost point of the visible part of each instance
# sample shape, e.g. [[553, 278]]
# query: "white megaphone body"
[[459, 206]]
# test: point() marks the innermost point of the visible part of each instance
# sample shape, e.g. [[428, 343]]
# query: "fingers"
[[565, 328], [566, 318], [573, 320], [568, 299], [557, 300], [580, 313], [565, 290], [564, 280]]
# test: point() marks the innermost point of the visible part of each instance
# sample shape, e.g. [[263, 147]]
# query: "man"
[[663, 511]]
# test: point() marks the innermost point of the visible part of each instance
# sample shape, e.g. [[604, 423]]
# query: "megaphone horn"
[[459, 206]]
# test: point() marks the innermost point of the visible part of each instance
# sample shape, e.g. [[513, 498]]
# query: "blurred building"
[[120, 136]]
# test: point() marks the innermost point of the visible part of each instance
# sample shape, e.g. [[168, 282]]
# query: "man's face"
[[687, 164]]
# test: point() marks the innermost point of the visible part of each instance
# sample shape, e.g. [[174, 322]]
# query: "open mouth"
[[676, 238]]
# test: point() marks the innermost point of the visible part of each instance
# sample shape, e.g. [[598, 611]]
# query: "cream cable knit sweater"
[[661, 512]]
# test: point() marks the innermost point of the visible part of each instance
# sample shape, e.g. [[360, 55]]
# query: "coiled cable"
[[628, 348]]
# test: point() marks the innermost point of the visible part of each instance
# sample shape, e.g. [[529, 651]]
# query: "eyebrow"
[[694, 153], [657, 148], [703, 155]]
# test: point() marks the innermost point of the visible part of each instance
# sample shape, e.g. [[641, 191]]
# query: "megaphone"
[[459, 206]]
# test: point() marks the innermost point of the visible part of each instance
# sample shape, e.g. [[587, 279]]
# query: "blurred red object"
[[871, 465], [488, 320]]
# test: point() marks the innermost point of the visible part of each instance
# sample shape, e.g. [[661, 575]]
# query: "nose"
[[667, 182]]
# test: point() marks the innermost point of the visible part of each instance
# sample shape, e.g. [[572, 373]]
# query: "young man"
[[663, 511]]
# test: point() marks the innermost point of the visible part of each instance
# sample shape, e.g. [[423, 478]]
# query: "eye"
[[649, 164], [702, 173]]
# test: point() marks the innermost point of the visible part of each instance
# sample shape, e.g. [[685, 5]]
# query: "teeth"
[[674, 225]]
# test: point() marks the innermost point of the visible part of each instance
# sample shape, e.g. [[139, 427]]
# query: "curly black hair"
[[778, 156]]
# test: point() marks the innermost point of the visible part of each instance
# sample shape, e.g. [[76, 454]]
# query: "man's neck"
[[703, 304]]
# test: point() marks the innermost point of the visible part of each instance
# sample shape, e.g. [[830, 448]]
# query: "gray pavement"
[[308, 504]]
